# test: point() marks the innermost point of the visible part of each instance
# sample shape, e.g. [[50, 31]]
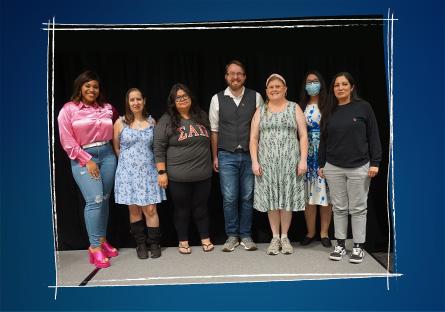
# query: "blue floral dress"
[[316, 189], [136, 181]]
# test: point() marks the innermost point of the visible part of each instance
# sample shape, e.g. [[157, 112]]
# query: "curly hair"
[[196, 113], [84, 77]]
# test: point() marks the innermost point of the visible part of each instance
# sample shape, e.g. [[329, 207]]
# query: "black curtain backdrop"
[[155, 58]]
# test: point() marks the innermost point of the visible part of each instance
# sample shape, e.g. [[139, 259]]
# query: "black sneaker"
[[338, 253], [357, 255]]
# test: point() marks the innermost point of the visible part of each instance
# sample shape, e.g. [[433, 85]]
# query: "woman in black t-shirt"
[[183, 160]]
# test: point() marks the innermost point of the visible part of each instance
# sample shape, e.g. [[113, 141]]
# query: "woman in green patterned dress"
[[278, 148]]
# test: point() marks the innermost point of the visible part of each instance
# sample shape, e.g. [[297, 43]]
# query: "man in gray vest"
[[230, 114]]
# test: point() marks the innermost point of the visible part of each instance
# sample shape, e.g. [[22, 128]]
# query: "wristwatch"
[[162, 171]]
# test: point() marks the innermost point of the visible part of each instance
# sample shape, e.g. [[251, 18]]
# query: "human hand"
[[92, 169], [215, 164], [163, 180], [320, 173], [302, 167], [372, 172], [256, 169]]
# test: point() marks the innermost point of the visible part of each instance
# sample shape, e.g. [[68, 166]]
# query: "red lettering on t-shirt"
[[193, 132], [182, 134], [203, 131]]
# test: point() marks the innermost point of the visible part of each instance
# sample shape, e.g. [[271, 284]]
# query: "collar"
[[228, 92], [83, 105]]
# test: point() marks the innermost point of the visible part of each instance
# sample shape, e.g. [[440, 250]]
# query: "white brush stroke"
[[327, 276], [390, 69]]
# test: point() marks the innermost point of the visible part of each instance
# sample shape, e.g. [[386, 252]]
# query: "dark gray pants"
[[348, 188]]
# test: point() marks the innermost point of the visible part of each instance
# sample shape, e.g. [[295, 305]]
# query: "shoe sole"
[[250, 249], [356, 260], [225, 249], [287, 252], [273, 253], [335, 258]]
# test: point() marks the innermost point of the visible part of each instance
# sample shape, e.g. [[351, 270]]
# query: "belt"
[[94, 144]]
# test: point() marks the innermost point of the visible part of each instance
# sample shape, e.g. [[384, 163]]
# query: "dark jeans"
[[190, 198], [236, 179]]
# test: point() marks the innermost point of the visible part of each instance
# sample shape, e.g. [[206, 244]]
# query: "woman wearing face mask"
[[313, 103], [278, 148], [349, 156], [136, 182], [85, 129]]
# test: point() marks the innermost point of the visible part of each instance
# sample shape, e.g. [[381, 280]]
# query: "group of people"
[[275, 156]]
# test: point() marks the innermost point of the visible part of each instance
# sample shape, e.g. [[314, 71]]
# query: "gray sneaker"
[[248, 244], [286, 247], [274, 247], [230, 243]]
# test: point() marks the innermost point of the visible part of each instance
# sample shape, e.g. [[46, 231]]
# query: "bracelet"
[[162, 171]]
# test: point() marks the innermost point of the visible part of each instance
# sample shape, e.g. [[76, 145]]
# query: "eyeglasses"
[[181, 98], [232, 74]]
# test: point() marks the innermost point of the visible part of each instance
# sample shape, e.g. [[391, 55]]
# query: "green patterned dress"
[[278, 154]]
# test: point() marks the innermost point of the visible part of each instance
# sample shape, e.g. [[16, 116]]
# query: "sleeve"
[[259, 100], [69, 143], [115, 114], [372, 133], [161, 139], [214, 113]]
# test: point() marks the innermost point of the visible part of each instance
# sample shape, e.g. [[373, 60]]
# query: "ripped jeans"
[[96, 192]]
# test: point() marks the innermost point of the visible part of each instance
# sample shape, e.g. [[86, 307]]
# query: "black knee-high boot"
[[154, 236], [137, 229]]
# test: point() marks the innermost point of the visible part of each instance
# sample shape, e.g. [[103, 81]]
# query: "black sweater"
[[351, 138]]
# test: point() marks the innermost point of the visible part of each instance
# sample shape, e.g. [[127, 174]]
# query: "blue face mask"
[[313, 88]]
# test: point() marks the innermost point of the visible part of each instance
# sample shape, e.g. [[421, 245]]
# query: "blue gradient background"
[[27, 259]]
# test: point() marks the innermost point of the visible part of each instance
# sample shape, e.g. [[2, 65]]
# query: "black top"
[[185, 151], [351, 138]]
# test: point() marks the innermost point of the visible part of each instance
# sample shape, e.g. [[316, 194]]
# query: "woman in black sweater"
[[349, 156]]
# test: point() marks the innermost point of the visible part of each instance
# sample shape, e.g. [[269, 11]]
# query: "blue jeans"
[[236, 179], [96, 192]]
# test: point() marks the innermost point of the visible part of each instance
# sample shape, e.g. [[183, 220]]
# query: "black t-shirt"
[[351, 138], [185, 151]]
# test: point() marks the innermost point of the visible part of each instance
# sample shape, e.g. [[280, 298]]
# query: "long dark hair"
[[196, 113], [84, 77], [129, 116], [332, 102], [322, 95]]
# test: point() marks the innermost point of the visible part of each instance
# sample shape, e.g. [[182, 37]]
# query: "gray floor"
[[310, 262]]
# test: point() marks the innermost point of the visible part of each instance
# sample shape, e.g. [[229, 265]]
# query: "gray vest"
[[234, 121]]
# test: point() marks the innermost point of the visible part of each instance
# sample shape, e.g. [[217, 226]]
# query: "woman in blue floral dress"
[[136, 182], [313, 97]]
